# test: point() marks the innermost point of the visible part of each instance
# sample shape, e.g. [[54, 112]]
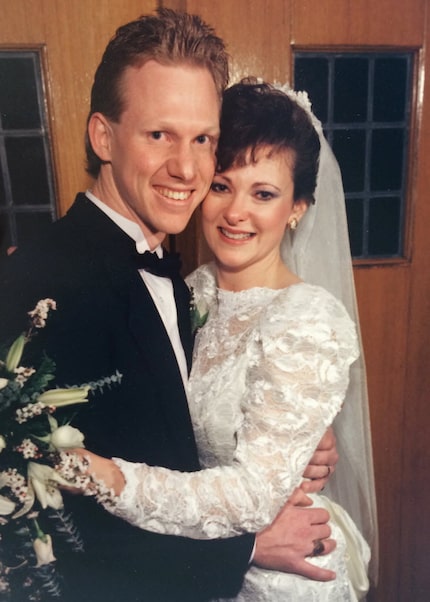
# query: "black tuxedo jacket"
[[106, 321]]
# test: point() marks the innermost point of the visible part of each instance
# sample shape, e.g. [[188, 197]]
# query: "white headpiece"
[[319, 252]]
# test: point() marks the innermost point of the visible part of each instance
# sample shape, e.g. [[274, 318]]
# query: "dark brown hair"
[[256, 115]]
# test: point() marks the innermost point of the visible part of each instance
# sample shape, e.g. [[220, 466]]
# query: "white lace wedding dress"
[[269, 375]]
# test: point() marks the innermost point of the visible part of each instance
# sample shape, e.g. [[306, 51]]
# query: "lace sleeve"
[[295, 382]]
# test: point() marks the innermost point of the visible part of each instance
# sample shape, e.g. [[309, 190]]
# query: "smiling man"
[[151, 141]]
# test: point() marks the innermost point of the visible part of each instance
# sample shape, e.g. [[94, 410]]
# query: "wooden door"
[[393, 296], [71, 36]]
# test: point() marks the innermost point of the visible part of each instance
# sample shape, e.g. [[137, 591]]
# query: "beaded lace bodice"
[[269, 375]]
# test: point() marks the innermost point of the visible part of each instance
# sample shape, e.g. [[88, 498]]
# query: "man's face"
[[161, 154]]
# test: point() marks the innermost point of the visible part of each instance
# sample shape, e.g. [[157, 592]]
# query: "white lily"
[[2, 443], [43, 550], [3, 383], [44, 480], [15, 353], [64, 397]]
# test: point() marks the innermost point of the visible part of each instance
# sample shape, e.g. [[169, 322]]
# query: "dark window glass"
[[26, 183], [349, 146], [389, 100], [27, 169], [355, 215], [384, 222], [18, 94], [311, 75], [387, 160], [367, 104], [350, 90]]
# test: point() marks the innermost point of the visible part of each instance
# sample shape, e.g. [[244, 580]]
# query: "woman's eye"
[[265, 195], [218, 187]]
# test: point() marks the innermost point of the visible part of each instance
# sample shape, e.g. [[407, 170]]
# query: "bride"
[[272, 362]]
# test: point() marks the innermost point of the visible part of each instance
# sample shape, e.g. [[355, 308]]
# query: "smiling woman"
[[244, 219]]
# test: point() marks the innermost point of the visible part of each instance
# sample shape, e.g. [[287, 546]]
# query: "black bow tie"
[[168, 266]]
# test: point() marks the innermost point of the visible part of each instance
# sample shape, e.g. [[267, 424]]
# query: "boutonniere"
[[198, 312]]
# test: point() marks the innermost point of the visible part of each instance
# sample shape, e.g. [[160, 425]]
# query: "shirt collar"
[[132, 229]]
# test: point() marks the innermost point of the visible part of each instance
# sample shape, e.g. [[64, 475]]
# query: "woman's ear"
[[99, 134], [299, 209]]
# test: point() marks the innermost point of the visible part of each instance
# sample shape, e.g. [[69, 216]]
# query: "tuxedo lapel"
[[150, 334], [144, 322], [182, 299]]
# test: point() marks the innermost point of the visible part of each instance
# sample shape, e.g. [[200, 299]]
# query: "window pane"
[[27, 170], [384, 225], [387, 159], [18, 94], [311, 75], [389, 101], [368, 106], [350, 90], [355, 213], [349, 147]]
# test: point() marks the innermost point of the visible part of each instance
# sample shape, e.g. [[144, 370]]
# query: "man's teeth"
[[236, 236], [174, 194]]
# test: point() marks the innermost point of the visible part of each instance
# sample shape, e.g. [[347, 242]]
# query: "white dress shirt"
[[160, 288]]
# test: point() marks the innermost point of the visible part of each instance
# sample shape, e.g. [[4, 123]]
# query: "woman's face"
[[247, 209]]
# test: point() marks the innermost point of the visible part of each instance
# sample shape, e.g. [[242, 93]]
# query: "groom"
[[151, 139]]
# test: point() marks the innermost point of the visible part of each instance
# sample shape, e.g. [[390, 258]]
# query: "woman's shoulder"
[[307, 308]]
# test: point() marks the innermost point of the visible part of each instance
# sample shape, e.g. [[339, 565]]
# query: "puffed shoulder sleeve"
[[297, 373]]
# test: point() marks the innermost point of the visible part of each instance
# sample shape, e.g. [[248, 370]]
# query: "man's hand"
[[285, 544], [322, 464]]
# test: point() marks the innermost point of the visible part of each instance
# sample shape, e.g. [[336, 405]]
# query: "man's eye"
[[156, 135]]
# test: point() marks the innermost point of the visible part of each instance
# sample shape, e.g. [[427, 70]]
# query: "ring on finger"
[[318, 548], [328, 471]]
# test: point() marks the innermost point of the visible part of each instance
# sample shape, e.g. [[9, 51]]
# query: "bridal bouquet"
[[32, 434]]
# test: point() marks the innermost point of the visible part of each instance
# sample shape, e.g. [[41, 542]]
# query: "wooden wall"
[[393, 298]]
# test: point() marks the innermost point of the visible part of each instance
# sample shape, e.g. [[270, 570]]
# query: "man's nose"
[[182, 162]]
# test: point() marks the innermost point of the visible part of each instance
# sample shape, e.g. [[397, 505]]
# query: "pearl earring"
[[293, 223]]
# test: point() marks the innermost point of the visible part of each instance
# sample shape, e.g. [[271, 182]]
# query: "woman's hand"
[[100, 470], [322, 464]]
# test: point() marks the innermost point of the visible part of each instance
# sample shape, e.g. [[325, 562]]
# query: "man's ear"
[[99, 133]]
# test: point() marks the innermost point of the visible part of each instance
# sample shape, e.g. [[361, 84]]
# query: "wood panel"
[[73, 35], [339, 22], [393, 300], [414, 518], [256, 32], [383, 294]]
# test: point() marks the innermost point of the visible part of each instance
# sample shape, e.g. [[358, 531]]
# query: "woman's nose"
[[237, 209]]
